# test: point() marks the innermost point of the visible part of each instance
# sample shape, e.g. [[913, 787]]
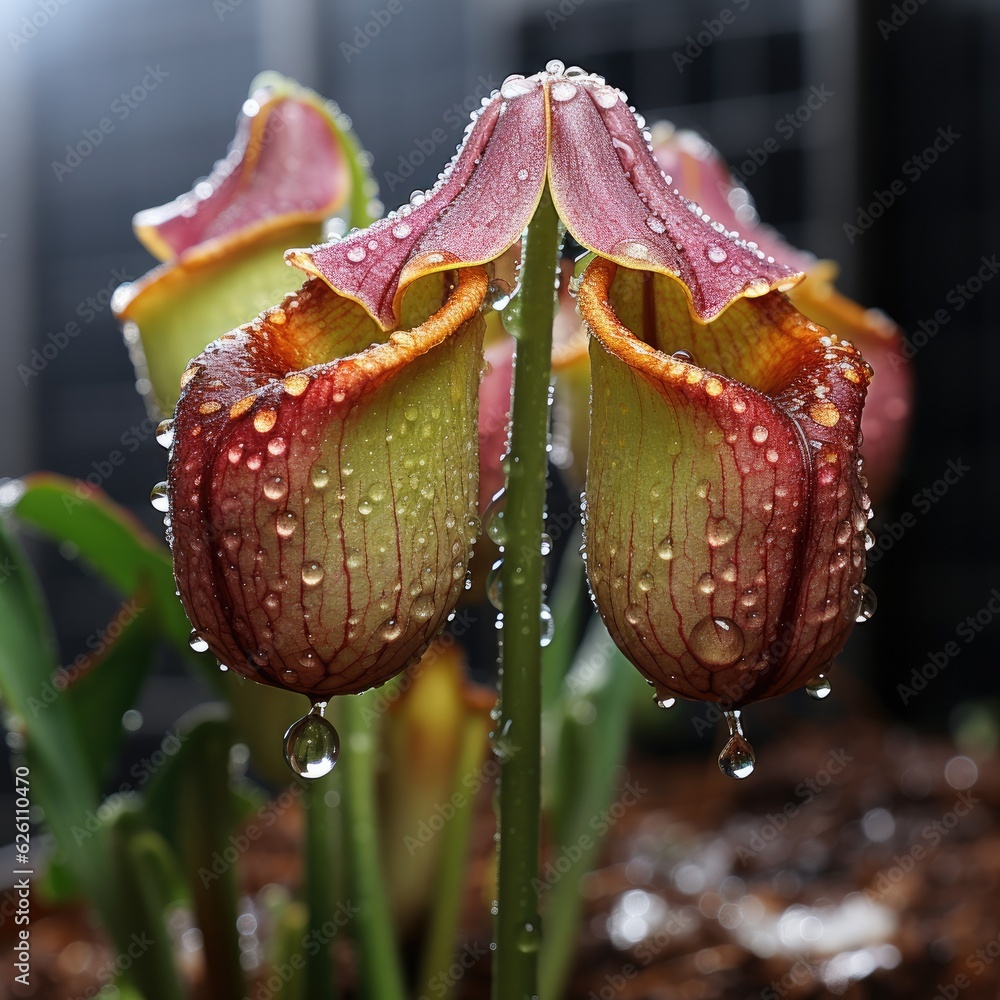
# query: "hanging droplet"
[[498, 294], [819, 687], [546, 543], [662, 702], [866, 607], [165, 433], [159, 499], [493, 518], [686, 356], [494, 586], [312, 745], [736, 759], [197, 643], [548, 626]]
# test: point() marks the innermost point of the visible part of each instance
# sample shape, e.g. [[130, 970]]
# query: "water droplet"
[[401, 230], [391, 629], [356, 254], [716, 642], [493, 518], [756, 288], [632, 249], [529, 939], [706, 583], [196, 642], [320, 477], [548, 625], [276, 446], [869, 540], [423, 608], [165, 433], [494, 586], [285, 525], [656, 224], [498, 296], [312, 573], [546, 545], [646, 582], [365, 507], [759, 434], [522, 174], [686, 356], [819, 687], [719, 532], [275, 489], [563, 91], [867, 603], [312, 745], [264, 420], [717, 255], [634, 614], [606, 97], [665, 550], [664, 702], [736, 759], [159, 499]]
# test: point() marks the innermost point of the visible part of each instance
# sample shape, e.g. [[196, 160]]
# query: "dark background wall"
[[65, 236]]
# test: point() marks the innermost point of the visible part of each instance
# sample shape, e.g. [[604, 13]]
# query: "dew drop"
[[819, 687], [867, 603], [276, 446], [759, 434], [312, 745], [656, 224], [719, 532], [356, 254], [529, 939], [665, 550], [493, 518], [869, 540], [736, 759], [401, 230], [706, 583], [197, 643], [159, 499], [547, 626], [264, 420], [391, 629], [716, 642], [606, 97], [494, 585], [686, 356], [522, 174], [285, 525], [634, 614], [546, 544], [664, 702], [365, 507], [320, 477], [423, 608], [165, 433], [646, 582], [632, 249], [312, 573], [275, 489], [717, 255], [756, 288]]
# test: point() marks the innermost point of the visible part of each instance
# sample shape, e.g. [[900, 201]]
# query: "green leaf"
[[111, 542]]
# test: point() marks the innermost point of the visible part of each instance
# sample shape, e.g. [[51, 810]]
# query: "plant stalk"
[[517, 740]]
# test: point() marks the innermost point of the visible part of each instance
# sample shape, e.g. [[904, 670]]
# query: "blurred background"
[[887, 80]]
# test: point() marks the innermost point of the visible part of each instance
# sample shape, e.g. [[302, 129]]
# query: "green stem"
[[451, 876], [518, 738], [320, 983], [381, 972]]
